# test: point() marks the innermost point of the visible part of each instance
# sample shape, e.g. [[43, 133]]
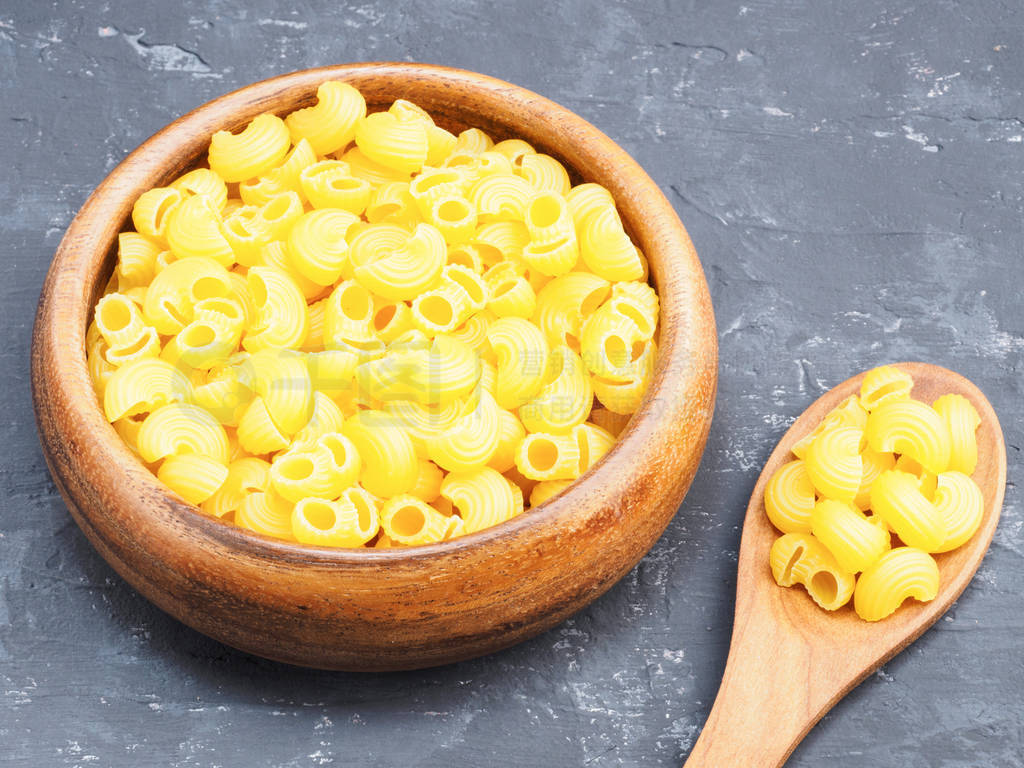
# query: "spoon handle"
[[777, 685]]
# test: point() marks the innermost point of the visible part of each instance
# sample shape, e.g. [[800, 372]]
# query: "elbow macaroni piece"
[[348, 310], [192, 476], [408, 521], [482, 498], [522, 357], [911, 428], [834, 463], [901, 573], [885, 384], [962, 421], [389, 463], [799, 558], [959, 502], [897, 499], [789, 498], [854, 542], [331, 123], [327, 523], [254, 151], [177, 428]]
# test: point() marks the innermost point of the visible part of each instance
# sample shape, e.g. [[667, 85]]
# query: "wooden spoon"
[[790, 661]]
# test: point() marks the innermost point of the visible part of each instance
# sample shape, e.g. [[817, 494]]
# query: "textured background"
[[850, 174]]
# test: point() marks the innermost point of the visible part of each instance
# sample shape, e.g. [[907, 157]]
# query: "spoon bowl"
[[789, 661]]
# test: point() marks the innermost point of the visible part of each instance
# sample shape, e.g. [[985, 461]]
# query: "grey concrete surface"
[[850, 172]]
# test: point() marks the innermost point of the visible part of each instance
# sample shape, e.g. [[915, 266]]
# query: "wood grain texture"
[[381, 609], [789, 661]]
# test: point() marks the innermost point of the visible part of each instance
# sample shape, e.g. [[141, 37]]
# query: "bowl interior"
[[449, 115], [683, 385]]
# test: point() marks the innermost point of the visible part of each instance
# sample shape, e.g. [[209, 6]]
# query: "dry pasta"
[[881, 483], [361, 330]]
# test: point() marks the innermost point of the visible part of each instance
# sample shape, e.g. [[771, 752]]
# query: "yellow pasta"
[[389, 463], [408, 520], [358, 329], [911, 428], [282, 317], [428, 481], [592, 442], [136, 260], [874, 464], [606, 249], [317, 248], [904, 572], [280, 377], [400, 145], [926, 481], [959, 502], [409, 270], [625, 395], [174, 292], [789, 498], [522, 357], [544, 173], [266, 513], [142, 386], [472, 439], [152, 211], [511, 294], [454, 217], [584, 199], [178, 428], [880, 452], [331, 123], [327, 523], [563, 303], [245, 476], [203, 181], [799, 558], [510, 433], [192, 476], [849, 413], [543, 456], [254, 151], [546, 490], [854, 542], [473, 140], [885, 384], [424, 423], [330, 184], [500, 197], [284, 178], [280, 212], [961, 420], [897, 499], [565, 400], [834, 463], [246, 233], [482, 498]]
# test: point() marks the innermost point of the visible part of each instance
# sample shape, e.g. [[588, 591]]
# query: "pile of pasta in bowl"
[[358, 329]]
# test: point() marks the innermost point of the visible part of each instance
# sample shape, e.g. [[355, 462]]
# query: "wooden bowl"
[[394, 608]]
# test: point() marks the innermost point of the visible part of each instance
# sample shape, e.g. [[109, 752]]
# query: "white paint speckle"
[[919, 138], [283, 23]]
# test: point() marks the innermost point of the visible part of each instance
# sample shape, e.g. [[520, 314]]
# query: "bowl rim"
[[82, 252]]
